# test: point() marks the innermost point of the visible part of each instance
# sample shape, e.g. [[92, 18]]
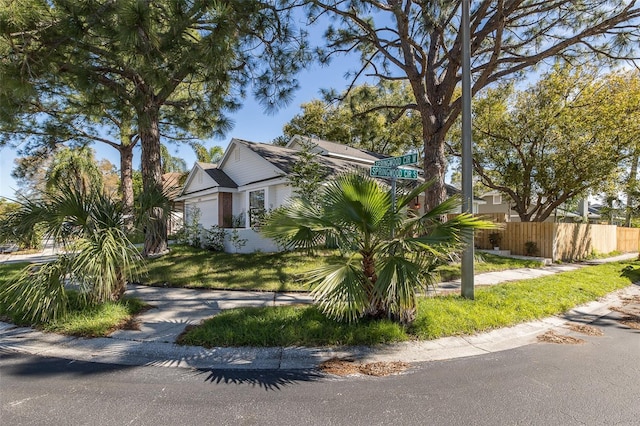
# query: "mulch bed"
[[347, 367], [589, 330], [553, 337]]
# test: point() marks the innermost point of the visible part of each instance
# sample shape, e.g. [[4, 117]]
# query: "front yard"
[[194, 268], [494, 307]]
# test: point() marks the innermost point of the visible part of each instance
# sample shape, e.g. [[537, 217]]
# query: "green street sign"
[[404, 160], [387, 172]]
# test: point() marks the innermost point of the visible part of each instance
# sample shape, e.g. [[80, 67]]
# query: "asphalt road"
[[594, 383]]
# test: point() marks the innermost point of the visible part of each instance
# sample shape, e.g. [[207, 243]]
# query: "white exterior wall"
[[255, 242], [201, 180], [245, 166], [208, 210], [280, 195]]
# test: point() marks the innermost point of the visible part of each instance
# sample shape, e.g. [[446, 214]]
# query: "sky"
[[251, 122]]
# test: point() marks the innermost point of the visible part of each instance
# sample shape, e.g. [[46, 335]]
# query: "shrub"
[[530, 248], [214, 238]]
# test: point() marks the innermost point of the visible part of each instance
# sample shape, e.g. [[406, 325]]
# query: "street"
[[594, 383]]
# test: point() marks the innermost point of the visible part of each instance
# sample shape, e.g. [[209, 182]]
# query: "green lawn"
[[194, 268], [487, 262], [92, 321], [497, 306]]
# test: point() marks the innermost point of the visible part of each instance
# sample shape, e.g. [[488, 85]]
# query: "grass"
[[287, 326], [86, 321], [194, 268], [497, 306], [98, 320], [487, 262]]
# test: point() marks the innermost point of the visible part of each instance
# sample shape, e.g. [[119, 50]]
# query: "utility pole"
[[467, 285]]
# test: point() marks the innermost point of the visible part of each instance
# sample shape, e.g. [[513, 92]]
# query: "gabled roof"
[[211, 170], [285, 158], [333, 149], [218, 175]]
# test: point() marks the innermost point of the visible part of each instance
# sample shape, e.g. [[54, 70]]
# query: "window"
[[497, 199], [256, 208]]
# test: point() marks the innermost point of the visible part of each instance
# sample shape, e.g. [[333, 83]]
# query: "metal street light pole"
[[467, 153]]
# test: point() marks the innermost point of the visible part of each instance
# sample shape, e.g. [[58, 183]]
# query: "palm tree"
[[390, 252], [74, 167], [97, 255], [210, 155]]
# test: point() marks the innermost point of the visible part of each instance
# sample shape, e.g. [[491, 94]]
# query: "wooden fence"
[[560, 241], [628, 239]]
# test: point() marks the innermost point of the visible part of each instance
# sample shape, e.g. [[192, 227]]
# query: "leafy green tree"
[[180, 65], [419, 43], [97, 257], [390, 252], [621, 111], [46, 122], [361, 120], [558, 140], [307, 174]]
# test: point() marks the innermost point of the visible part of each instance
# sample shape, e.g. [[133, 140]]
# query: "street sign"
[[404, 160], [388, 172]]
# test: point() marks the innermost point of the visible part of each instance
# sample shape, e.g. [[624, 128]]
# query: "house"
[[251, 179], [498, 206]]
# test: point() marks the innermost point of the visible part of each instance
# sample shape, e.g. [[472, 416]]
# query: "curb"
[[109, 350]]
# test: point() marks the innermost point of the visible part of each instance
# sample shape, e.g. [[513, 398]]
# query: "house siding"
[[255, 243], [208, 207], [201, 181], [279, 195], [254, 168]]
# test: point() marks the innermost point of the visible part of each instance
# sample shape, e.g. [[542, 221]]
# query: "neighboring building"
[[251, 179], [498, 206]]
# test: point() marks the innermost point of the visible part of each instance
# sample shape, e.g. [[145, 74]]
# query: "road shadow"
[[269, 380], [37, 366]]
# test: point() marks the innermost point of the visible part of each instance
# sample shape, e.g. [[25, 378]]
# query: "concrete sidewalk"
[[174, 309]]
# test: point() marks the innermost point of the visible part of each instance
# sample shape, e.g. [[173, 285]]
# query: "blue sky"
[[251, 123]]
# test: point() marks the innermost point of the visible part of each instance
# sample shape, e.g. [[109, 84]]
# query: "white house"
[[251, 179]]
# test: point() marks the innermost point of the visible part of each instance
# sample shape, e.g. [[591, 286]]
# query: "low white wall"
[[255, 242]]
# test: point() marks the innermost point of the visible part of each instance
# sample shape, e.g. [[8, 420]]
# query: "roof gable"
[[205, 176]]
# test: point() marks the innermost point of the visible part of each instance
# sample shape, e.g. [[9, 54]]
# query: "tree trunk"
[[126, 181], [121, 286], [435, 163], [155, 239]]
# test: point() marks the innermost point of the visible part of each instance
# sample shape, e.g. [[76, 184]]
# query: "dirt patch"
[[631, 322], [630, 299], [630, 310], [589, 330], [553, 337], [130, 324], [346, 367], [626, 311]]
